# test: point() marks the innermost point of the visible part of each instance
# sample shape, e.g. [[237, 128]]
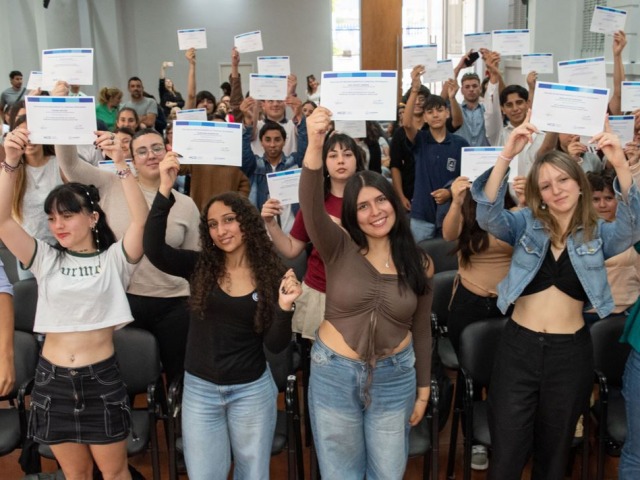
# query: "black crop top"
[[559, 273]]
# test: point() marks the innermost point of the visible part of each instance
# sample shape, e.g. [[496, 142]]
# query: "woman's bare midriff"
[[549, 311], [333, 339], [78, 349]]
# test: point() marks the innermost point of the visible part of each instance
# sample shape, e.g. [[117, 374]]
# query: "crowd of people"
[[193, 254]]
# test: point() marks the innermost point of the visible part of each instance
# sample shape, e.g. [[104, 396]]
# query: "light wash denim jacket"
[[530, 241]]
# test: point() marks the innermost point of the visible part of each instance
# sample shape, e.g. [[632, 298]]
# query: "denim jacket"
[[531, 242]]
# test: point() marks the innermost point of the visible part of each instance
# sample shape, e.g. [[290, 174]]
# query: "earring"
[[543, 206]]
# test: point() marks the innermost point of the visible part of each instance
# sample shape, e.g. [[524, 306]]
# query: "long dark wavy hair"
[[347, 143], [75, 198], [266, 267], [473, 239], [409, 260]]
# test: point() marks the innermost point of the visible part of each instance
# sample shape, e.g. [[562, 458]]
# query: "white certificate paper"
[[192, 38], [413, 55], [72, 65], [248, 42], [61, 120], [363, 95], [274, 65], [283, 186], [268, 87], [35, 81], [477, 160], [569, 108], [353, 128], [199, 114], [511, 42], [630, 96], [622, 125], [607, 20], [442, 72], [476, 41], [208, 143], [537, 62], [589, 72]]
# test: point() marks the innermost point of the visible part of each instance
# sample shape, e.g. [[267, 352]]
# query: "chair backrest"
[[478, 345], [10, 263], [440, 252], [609, 355], [25, 300], [281, 365], [25, 358], [139, 358], [442, 287]]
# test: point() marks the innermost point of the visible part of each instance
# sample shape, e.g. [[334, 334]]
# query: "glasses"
[[143, 153]]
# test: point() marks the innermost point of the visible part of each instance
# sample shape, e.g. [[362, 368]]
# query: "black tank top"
[[559, 273]]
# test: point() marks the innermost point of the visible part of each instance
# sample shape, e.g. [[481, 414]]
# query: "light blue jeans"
[[220, 419], [422, 230], [353, 441], [629, 468]]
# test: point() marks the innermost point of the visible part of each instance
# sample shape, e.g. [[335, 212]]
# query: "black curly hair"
[[266, 266]]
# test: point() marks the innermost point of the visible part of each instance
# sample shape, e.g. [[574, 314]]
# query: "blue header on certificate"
[[573, 88], [67, 50], [631, 84], [537, 54], [284, 173], [501, 32], [195, 123], [360, 74], [581, 60], [273, 58], [621, 117], [259, 75], [60, 99], [609, 9], [482, 149], [476, 34], [245, 34], [190, 30], [429, 45]]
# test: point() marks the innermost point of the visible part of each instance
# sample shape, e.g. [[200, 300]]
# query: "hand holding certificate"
[[283, 185], [208, 143], [248, 42], [61, 120], [569, 109], [622, 125], [192, 38], [477, 41]]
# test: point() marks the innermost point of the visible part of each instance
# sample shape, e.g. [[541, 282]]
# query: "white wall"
[[133, 37]]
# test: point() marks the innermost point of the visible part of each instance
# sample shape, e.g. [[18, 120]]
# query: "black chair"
[[424, 437], [13, 420], [10, 263], [610, 357], [139, 360], [440, 251], [442, 288], [287, 436], [25, 300], [478, 345]]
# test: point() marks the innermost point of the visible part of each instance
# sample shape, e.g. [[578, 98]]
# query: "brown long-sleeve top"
[[370, 309]]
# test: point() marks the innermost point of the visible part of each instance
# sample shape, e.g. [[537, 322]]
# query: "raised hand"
[[191, 55], [459, 189], [619, 42], [290, 289], [416, 83], [609, 143], [270, 209], [519, 137], [15, 143], [107, 142], [169, 168], [318, 124]]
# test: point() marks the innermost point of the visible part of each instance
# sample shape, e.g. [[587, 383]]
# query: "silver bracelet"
[[11, 168]]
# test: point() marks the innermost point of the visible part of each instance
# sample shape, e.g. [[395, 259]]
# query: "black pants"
[[168, 320], [540, 385]]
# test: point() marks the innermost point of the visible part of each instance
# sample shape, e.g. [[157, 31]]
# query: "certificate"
[[607, 20], [268, 87], [569, 109], [442, 72], [413, 55], [35, 81], [622, 125], [537, 62], [589, 72], [630, 96], [363, 95], [61, 120], [476, 41], [283, 185], [208, 143], [192, 38], [199, 114], [73, 65], [353, 128], [511, 42], [274, 65], [248, 42], [477, 160]]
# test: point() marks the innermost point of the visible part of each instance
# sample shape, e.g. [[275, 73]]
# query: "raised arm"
[[236, 97], [532, 78], [288, 246], [138, 209], [191, 79], [452, 223], [248, 107], [619, 42], [492, 111], [456, 112], [7, 369], [609, 143], [407, 119]]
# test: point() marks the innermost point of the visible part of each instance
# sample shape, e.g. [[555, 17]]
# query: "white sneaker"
[[479, 457]]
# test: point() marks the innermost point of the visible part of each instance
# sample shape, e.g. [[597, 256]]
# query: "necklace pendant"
[[386, 264]]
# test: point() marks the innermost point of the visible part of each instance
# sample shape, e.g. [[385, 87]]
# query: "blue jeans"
[[630, 459], [422, 230], [220, 419], [353, 441]]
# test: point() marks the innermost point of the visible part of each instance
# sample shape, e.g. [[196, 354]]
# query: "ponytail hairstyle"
[[78, 198]]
